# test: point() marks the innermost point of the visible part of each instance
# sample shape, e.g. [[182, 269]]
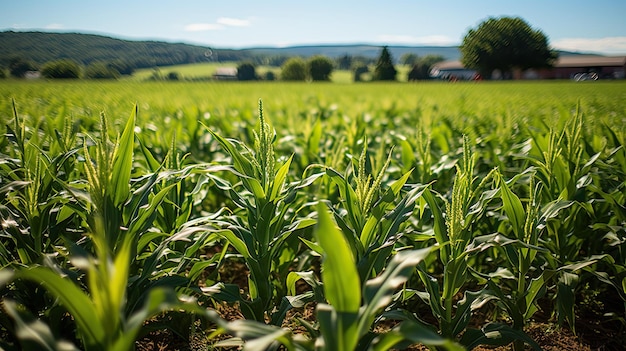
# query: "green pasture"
[[205, 70]]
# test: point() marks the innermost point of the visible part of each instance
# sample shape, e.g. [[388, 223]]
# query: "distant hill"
[[364, 50], [42, 47]]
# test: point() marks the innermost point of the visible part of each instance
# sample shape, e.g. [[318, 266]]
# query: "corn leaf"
[[342, 284], [71, 297], [123, 161]]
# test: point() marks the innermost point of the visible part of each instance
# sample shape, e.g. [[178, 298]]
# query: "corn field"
[[445, 215]]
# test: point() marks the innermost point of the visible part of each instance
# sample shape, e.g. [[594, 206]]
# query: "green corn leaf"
[[338, 329], [259, 336], [535, 290], [123, 162], [236, 242], [513, 209], [413, 332], [32, 333], [279, 179], [118, 279], [439, 224], [378, 291], [342, 284], [495, 334], [565, 299], [71, 297]]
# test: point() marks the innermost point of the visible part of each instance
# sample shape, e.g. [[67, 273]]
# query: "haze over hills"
[[41, 47]]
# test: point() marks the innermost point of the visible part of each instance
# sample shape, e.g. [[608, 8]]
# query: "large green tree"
[[385, 69], [505, 44], [320, 68], [293, 69], [246, 71]]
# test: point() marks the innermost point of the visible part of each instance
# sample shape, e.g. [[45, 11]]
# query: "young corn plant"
[[262, 235], [526, 276], [33, 197], [456, 246], [99, 313], [370, 214], [350, 309]]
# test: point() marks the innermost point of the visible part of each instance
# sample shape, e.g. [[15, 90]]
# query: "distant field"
[[206, 70]]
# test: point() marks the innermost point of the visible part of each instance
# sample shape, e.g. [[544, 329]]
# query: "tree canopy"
[[293, 69], [246, 71], [320, 68], [384, 66], [505, 44]]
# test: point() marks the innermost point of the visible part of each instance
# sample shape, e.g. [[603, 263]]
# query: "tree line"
[[315, 68]]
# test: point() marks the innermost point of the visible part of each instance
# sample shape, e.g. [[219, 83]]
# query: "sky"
[[597, 26]]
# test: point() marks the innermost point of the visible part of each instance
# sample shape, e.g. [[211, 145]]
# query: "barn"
[[566, 67], [225, 73]]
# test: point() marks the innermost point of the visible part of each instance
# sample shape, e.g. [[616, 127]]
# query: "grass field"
[[205, 71], [338, 217]]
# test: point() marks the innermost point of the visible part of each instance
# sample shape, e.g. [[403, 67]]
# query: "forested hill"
[[42, 47]]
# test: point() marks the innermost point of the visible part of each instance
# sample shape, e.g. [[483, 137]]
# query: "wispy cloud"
[[233, 22], [201, 27], [219, 24], [410, 39], [608, 45], [54, 26]]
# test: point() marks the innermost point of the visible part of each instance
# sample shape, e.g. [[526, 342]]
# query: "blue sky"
[[590, 26]]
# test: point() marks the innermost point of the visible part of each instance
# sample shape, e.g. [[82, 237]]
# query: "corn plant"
[[99, 314], [456, 247], [373, 215], [33, 195], [525, 279], [351, 309], [263, 234]]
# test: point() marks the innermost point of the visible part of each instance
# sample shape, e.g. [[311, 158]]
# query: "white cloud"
[[54, 26], [233, 22], [201, 27], [409, 39], [219, 24], [608, 45]]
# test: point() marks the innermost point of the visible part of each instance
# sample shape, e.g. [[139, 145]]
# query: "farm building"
[[225, 73], [566, 67]]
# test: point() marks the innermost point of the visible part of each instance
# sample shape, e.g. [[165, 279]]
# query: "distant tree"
[[173, 75], [293, 69], [3, 73], [101, 70], [18, 66], [409, 59], [269, 75], [344, 62], [384, 66], [61, 69], [246, 71], [505, 44], [359, 70], [421, 68], [320, 68]]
